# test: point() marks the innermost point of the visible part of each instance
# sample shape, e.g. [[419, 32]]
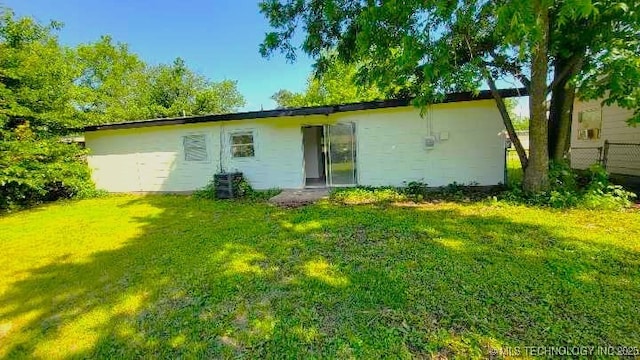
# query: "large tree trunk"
[[536, 174], [563, 93], [560, 119]]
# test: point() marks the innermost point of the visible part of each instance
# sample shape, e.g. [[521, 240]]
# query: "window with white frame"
[[242, 145], [589, 124], [195, 148]]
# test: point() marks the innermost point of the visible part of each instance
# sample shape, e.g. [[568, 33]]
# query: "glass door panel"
[[342, 154]]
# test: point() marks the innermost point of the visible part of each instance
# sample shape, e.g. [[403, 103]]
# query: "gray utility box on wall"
[[227, 185]]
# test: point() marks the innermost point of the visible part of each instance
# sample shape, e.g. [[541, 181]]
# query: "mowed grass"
[[168, 276], [514, 168]]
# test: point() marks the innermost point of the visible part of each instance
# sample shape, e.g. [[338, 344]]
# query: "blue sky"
[[217, 38]]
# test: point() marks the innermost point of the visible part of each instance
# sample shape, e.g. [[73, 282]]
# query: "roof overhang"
[[303, 111]]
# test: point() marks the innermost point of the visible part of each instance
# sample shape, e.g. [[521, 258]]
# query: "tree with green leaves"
[[336, 85], [37, 106], [36, 78], [594, 54], [430, 48], [520, 123], [112, 82], [115, 85], [175, 90], [49, 91]]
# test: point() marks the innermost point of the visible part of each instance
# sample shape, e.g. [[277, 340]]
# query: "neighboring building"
[[74, 139], [523, 136], [602, 135], [372, 143]]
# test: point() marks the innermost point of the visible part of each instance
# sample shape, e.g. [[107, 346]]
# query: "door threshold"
[[329, 186]]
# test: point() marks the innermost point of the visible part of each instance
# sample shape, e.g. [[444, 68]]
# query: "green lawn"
[[177, 277], [514, 168]]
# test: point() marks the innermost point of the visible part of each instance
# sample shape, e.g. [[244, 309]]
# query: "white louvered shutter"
[[195, 148]]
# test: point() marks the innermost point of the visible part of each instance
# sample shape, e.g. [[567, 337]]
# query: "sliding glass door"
[[342, 154]]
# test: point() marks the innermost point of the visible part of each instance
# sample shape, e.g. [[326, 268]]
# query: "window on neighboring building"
[[242, 144], [195, 148], [589, 124]]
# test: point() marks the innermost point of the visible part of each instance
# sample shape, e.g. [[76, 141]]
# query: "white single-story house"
[[374, 143], [601, 134]]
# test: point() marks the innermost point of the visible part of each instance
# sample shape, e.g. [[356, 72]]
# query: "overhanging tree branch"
[[568, 70], [500, 62], [523, 79], [506, 119]]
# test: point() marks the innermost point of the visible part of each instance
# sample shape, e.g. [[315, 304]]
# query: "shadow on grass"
[[223, 279]]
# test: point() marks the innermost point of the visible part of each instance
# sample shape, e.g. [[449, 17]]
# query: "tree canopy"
[[49, 91], [36, 78], [431, 48], [66, 88], [174, 90], [336, 85], [117, 85], [37, 93]]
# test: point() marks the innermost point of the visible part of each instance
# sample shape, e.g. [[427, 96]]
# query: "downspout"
[[221, 150]]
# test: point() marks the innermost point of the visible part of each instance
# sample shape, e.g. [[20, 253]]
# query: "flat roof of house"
[[302, 111]]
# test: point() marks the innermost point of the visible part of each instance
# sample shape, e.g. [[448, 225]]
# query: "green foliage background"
[[49, 92], [338, 84]]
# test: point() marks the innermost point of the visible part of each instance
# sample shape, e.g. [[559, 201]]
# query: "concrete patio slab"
[[299, 197]]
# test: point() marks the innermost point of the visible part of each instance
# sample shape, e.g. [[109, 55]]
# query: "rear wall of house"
[[390, 149]]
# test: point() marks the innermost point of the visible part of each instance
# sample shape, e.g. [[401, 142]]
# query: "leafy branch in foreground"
[[431, 48]]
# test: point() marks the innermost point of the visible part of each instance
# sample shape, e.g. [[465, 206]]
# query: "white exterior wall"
[[391, 145], [146, 159], [152, 159], [614, 129], [390, 150], [278, 152]]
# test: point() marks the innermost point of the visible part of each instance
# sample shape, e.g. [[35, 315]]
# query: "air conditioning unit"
[[429, 142], [227, 185]]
